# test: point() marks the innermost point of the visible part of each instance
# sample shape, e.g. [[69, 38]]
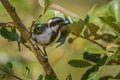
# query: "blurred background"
[[28, 10]]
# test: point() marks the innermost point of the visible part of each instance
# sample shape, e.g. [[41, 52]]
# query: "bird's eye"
[[37, 30]]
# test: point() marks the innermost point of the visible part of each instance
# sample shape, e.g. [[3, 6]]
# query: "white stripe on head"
[[50, 21]]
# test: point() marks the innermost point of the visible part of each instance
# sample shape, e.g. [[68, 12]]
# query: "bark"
[[34, 47]]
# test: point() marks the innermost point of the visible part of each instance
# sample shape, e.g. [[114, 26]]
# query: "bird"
[[48, 33]]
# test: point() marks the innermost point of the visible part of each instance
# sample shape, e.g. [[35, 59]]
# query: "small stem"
[[88, 40], [11, 74], [8, 24], [33, 22], [42, 13]]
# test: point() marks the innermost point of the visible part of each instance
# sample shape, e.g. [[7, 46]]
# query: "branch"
[[88, 40], [41, 14], [34, 47], [11, 74], [8, 24]]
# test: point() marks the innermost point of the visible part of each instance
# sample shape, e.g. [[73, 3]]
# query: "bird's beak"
[[66, 22]]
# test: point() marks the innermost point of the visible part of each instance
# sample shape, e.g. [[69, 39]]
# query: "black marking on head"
[[56, 21]]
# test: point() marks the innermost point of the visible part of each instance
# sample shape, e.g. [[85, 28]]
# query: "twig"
[[88, 39], [8, 24], [11, 74], [12, 24], [41, 14], [34, 47]]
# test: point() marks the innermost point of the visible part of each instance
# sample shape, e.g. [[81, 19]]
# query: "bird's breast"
[[46, 38]]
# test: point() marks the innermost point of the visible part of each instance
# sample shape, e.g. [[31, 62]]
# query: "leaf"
[[77, 27], [3, 76], [116, 54], [105, 77], [90, 15], [72, 19], [92, 72], [117, 76], [111, 22], [62, 38], [50, 14], [87, 19], [97, 36], [9, 33], [108, 37], [59, 14], [47, 77], [79, 63], [9, 66], [117, 40], [40, 77], [27, 72], [91, 57], [86, 33], [96, 51], [69, 77], [92, 28], [118, 24], [114, 9]]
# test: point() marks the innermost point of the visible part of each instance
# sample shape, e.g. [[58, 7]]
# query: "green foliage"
[[108, 37], [69, 77], [96, 51], [117, 77], [9, 66], [7, 70], [117, 40], [27, 72], [92, 72], [50, 14], [90, 30], [111, 22], [3, 76], [47, 77], [79, 63], [40, 77], [114, 9], [77, 27], [109, 32], [62, 38], [90, 15], [9, 33], [91, 57]]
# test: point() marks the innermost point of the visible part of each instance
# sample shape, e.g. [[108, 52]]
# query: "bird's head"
[[54, 23]]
